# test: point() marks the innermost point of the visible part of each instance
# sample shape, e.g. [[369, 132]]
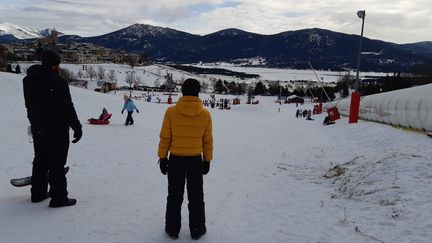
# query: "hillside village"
[[72, 52]]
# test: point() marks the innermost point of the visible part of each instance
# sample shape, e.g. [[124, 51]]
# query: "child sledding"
[[102, 120]]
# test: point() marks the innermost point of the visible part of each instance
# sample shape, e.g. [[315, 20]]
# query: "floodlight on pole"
[[355, 96], [361, 14]]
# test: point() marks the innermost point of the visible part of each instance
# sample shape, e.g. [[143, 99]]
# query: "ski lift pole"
[[322, 82], [307, 96], [169, 88], [313, 96]]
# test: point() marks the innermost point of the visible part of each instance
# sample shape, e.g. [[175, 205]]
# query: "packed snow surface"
[[266, 183]]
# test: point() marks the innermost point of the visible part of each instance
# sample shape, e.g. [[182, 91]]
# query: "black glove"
[[163, 165], [205, 167], [122, 112], [77, 135], [137, 111]]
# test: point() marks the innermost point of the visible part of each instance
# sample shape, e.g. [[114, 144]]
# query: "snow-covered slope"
[[148, 75], [18, 31], [265, 184]]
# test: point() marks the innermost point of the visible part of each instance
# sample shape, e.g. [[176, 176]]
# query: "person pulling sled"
[[130, 107]]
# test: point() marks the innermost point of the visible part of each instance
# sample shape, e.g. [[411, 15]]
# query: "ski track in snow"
[[266, 182]]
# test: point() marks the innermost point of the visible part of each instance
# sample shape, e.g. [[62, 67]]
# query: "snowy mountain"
[[139, 37], [144, 30], [18, 32], [12, 33], [324, 48]]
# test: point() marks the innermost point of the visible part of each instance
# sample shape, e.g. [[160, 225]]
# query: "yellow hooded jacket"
[[187, 130]]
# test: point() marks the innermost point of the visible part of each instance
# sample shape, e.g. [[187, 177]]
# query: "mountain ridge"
[[327, 49]]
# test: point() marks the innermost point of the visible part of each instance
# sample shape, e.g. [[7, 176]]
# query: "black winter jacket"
[[48, 101]]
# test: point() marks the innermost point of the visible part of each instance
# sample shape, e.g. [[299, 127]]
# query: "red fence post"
[[354, 107]]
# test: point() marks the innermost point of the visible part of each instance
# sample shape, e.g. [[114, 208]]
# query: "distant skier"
[[187, 135], [51, 113], [130, 107]]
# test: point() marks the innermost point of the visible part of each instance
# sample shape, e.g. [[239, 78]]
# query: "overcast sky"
[[399, 21]]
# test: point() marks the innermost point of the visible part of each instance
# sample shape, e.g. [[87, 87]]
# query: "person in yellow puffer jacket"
[[186, 135]]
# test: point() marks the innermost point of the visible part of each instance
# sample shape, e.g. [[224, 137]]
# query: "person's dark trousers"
[[50, 159], [180, 170], [129, 119]]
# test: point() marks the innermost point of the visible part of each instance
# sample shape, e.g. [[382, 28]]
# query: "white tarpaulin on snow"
[[410, 107]]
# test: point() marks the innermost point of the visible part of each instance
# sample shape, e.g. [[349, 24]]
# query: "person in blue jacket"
[[130, 107]]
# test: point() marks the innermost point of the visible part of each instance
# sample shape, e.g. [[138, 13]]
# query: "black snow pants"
[[180, 170], [49, 161], [129, 119]]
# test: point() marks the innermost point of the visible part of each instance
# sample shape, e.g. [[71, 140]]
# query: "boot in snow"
[[63, 203], [196, 233]]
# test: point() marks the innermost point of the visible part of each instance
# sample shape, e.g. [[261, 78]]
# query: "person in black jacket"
[[18, 69], [51, 113]]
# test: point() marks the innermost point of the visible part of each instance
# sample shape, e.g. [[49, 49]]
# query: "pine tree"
[[219, 87], [232, 88], [260, 89]]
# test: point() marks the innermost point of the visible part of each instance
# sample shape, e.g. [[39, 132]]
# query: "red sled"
[[97, 122], [100, 122]]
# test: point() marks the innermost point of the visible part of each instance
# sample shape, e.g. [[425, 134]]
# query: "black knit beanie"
[[50, 58], [191, 87]]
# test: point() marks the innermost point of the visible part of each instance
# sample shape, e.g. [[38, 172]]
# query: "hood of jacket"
[[189, 105], [38, 71]]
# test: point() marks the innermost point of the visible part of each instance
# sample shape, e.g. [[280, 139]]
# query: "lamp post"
[[355, 96], [361, 14]]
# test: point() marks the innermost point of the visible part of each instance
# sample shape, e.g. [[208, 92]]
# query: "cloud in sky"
[[397, 21]]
